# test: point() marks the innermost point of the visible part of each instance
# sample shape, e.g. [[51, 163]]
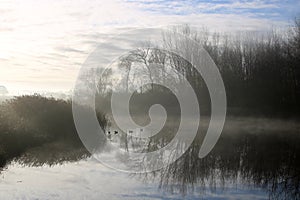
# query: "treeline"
[[39, 130], [261, 71]]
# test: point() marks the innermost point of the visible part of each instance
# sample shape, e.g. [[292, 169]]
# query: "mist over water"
[[254, 158]]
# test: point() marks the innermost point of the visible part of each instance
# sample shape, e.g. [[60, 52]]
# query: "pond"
[[255, 158]]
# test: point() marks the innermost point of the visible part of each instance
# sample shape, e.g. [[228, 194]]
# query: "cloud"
[[48, 36], [69, 49], [178, 7]]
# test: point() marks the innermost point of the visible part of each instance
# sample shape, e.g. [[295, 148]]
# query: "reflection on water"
[[264, 153], [251, 153], [268, 160], [87, 179]]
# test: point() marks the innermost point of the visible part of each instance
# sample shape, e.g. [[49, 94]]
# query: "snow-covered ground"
[[88, 179]]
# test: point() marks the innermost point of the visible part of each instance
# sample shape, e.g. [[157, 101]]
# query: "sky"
[[43, 43]]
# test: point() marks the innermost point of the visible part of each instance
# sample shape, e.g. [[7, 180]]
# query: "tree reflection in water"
[[264, 155]]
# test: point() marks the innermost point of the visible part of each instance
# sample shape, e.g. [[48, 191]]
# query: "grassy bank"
[[35, 128]]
